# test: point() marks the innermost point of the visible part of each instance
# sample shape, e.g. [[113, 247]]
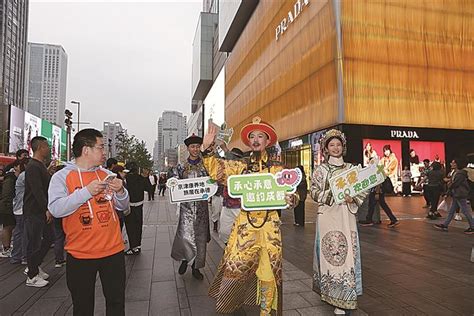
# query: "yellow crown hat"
[[332, 133]]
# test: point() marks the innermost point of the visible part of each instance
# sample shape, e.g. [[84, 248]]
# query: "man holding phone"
[[78, 194]]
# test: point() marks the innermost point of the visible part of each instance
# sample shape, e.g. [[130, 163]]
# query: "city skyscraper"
[[13, 39], [46, 81], [110, 132], [172, 131]]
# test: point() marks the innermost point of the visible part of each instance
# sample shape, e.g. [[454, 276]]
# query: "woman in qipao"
[[337, 267]]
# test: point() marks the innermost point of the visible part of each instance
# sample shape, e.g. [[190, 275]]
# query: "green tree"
[[130, 148], [141, 155]]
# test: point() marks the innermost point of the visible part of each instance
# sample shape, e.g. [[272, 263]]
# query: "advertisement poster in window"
[[17, 124], [32, 128], [56, 143], [389, 153]]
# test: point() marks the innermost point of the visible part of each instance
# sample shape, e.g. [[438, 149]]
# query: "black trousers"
[[40, 237], [162, 190], [299, 213], [134, 225], [151, 193], [433, 196], [81, 275], [383, 205], [426, 194], [406, 188]]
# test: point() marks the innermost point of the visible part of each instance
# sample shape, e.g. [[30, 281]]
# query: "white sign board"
[[191, 190]]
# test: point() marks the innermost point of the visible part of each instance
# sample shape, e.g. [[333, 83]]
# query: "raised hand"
[[210, 136]]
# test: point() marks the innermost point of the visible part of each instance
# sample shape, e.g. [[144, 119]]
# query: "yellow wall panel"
[[285, 81], [409, 63]]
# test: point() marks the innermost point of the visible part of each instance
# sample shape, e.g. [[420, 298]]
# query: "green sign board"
[[264, 191], [356, 180]]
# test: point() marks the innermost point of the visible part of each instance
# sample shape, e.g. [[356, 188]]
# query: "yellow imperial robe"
[[250, 272]]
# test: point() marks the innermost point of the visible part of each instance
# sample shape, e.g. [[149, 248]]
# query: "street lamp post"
[[78, 113]]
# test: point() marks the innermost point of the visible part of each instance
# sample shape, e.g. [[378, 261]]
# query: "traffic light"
[[68, 120]]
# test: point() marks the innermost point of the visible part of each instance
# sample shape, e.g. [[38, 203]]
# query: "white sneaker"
[[41, 273], [37, 281], [338, 311], [6, 253], [458, 217]]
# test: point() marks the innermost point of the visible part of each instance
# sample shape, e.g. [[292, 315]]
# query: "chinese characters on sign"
[[189, 190], [264, 191], [355, 181]]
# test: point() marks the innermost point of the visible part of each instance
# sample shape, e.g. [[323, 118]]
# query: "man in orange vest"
[[86, 196]]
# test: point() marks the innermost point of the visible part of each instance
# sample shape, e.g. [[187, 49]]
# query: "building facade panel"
[[409, 64], [284, 77]]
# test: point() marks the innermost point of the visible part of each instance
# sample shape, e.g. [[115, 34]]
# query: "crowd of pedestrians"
[[84, 209]]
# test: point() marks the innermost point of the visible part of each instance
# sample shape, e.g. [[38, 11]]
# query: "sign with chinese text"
[[264, 191], [355, 181], [190, 190]]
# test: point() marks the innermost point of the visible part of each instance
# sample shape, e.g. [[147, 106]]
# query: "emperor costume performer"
[[250, 271], [337, 267], [192, 233]]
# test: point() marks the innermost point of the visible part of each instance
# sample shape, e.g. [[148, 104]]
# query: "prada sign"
[[403, 134], [291, 16]]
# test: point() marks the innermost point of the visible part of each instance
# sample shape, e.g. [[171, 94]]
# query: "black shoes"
[[197, 274], [441, 227], [183, 267], [393, 224], [431, 216], [469, 231]]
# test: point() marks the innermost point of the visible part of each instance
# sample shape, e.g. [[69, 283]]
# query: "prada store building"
[[392, 73]]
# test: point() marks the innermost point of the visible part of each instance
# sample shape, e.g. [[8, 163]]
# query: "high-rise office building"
[[172, 131], [111, 132], [13, 38], [46, 81]]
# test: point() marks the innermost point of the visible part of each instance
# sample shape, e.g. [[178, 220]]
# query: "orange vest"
[[91, 237]]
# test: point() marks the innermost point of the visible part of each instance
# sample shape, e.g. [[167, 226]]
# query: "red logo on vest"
[[103, 216]]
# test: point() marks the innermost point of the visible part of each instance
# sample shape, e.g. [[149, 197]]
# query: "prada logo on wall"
[[403, 134], [291, 16]]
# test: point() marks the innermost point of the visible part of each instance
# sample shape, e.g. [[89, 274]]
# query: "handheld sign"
[[191, 190], [356, 180], [264, 191]]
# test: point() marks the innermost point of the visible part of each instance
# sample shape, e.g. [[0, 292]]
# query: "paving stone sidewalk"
[[153, 285]]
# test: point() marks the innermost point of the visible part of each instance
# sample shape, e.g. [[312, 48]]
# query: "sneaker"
[[23, 262], [431, 216], [393, 224], [36, 281], [197, 274], [441, 227], [129, 252], [60, 263], [41, 273], [469, 231], [183, 267], [6, 253], [338, 311], [458, 217], [366, 223]]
